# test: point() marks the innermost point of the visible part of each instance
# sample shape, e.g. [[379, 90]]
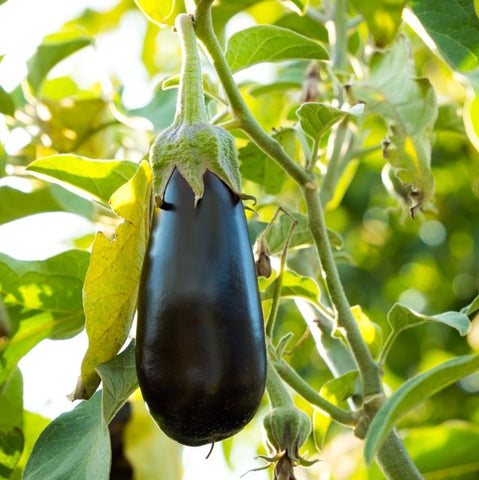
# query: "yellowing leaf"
[[161, 12], [111, 283], [370, 331]]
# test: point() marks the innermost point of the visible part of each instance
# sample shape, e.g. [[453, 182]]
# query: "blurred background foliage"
[[70, 102]]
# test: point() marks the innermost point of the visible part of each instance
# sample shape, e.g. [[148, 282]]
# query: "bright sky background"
[[51, 369]]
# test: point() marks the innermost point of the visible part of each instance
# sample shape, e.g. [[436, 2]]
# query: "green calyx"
[[287, 428], [191, 144]]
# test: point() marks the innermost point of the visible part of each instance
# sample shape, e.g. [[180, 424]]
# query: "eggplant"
[[201, 357]]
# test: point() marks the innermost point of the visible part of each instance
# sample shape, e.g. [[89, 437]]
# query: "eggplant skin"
[[200, 355]]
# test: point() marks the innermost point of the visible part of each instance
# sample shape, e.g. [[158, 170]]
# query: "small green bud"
[[287, 428]]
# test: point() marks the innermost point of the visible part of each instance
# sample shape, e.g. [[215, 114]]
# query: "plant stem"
[[291, 377], [368, 369], [205, 32], [394, 460], [277, 393], [190, 107], [393, 457], [338, 35]]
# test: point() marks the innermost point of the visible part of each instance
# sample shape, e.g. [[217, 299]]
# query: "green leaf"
[[268, 43], [119, 381], [301, 233], [317, 118], [99, 178], [76, 445], [7, 105], [11, 447], [401, 317], [294, 285], [409, 106], [383, 18], [410, 394], [335, 391], [445, 451], [46, 198], [11, 401], [473, 307], [258, 167], [44, 300], [111, 283], [161, 12], [454, 27], [53, 49]]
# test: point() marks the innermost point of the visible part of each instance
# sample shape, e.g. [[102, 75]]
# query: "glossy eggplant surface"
[[201, 357]]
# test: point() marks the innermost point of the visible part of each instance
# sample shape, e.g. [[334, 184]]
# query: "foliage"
[[374, 105]]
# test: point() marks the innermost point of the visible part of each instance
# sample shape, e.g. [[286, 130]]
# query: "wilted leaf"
[[268, 43], [100, 178], [111, 283], [454, 27], [53, 49], [409, 105], [412, 393], [76, 445], [383, 18], [44, 300]]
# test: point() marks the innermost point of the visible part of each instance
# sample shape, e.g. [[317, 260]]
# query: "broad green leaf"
[[383, 18], [409, 106], [119, 381], [413, 392], [11, 401], [258, 167], [401, 317], [268, 43], [53, 49], [305, 25], [76, 445], [161, 110], [44, 300], [7, 105], [445, 451], [143, 442], [46, 198], [294, 285], [317, 118], [454, 27], [335, 391], [100, 178], [111, 283], [11, 447], [161, 12]]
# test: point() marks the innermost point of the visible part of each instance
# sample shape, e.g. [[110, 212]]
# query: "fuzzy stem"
[[205, 32], [190, 106], [296, 382], [277, 393]]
